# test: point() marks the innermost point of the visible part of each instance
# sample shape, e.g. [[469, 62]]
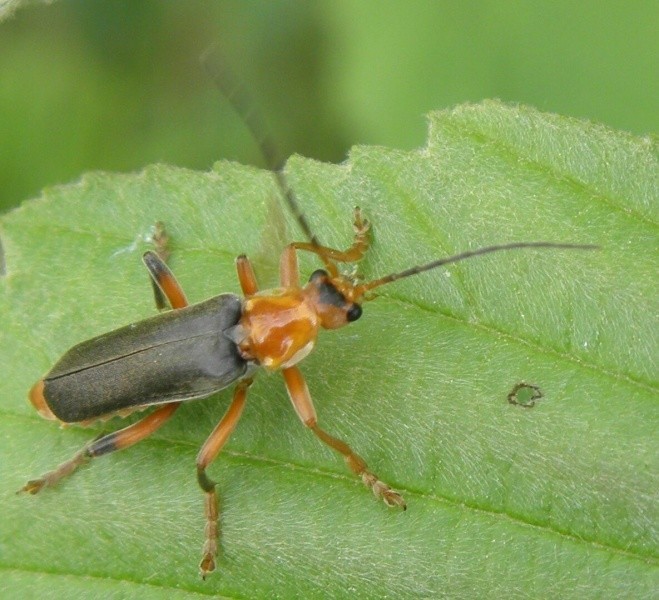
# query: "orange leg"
[[352, 254], [289, 272], [164, 281], [246, 276], [207, 454], [299, 395], [167, 286], [117, 440]]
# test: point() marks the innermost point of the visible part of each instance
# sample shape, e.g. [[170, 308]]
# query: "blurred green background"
[[117, 85]]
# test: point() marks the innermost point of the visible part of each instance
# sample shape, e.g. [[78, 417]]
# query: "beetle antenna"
[[361, 289], [240, 99]]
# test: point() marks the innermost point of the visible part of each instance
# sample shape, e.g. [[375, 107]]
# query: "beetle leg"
[[104, 444], [160, 241], [246, 276], [289, 272], [207, 454], [352, 254], [164, 280], [299, 395]]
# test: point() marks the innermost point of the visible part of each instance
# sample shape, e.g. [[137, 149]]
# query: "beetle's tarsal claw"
[[394, 500], [34, 486], [207, 565], [360, 224], [381, 490]]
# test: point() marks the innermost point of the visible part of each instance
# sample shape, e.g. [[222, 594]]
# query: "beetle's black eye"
[[319, 274], [354, 312]]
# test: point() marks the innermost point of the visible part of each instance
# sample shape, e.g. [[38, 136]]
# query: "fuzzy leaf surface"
[[554, 500]]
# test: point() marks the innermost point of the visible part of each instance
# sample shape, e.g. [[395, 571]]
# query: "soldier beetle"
[[196, 350]]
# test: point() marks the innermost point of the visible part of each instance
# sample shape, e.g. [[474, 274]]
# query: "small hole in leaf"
[[524, 395]]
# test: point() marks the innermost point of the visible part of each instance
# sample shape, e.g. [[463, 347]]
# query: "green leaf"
[[557, 499]]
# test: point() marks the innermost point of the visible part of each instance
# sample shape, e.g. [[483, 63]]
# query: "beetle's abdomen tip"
[[38, 400]]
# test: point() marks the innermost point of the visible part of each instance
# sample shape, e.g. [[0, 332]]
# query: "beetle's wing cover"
[[178, 355]]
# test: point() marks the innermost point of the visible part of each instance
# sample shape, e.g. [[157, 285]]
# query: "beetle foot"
[[207, 564], [381, 490], [211, 532], [34, 486], [360, 224]]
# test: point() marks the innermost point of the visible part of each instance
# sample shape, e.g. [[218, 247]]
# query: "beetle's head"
[[334, 298]]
